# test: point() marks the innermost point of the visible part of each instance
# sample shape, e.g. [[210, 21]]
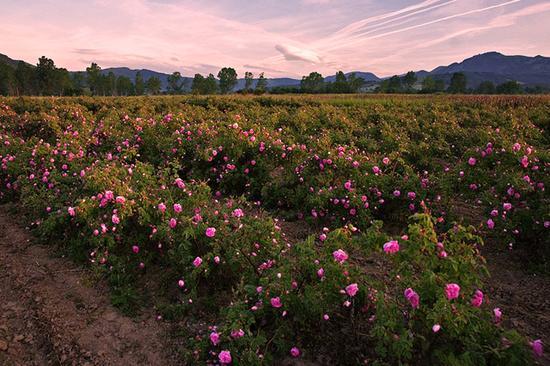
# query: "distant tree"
[[63, 83], [313, 83], [153, 85], [409, 80], [261, 84], [25, 77], [45, 76], [8, 83], [124, 86], [79, 83], [175, 83], [428, 85], [439, 85], [197, 86], [228, 79], [486, 87], [340, 84], [355, 83], [93, 77], [139, 84], [210, 85], [111, 84], [458, 83], [391, 85], [248, 81], [509, 87]]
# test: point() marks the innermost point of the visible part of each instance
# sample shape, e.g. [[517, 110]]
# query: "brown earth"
[[51, 313]]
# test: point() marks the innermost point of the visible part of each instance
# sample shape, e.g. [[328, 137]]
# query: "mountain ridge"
[[489, 66]]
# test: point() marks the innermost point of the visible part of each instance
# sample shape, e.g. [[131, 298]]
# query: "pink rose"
[[391, 247], [452, 291], [177, 208], [413, 297], [352, 289], [214, 338], [538, 348], [295, 352], [497, 315], [210, 232], [197, 262], [340, 256], [225, 357], [276, 302], [477, 299]]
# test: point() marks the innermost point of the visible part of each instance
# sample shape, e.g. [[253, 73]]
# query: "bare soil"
[[51, 313]]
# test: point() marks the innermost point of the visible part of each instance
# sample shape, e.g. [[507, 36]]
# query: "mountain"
[[367, 76], [498, 68], [6, 60], [491, 66]]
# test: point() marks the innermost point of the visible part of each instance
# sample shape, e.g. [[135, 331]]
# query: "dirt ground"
[[51, 313]]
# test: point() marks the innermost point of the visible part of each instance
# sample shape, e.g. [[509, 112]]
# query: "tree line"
[[47, 79], [457, 85]]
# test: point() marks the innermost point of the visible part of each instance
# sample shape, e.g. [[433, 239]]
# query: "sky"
[[279, 37]]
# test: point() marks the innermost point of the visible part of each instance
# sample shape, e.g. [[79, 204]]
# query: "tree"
[[202, 85], [79, 83], [248, 81], [45, 76], [509, 87], [153, 85], [62, 82], [261, 84], [458, 83], [7, 80], [409, 80], [111, 84], [439, 85], [340, 84], [391, 85], [124, 86], [198, 84], [93, 74], [210, 85], [139, 84], [175, 83], [228, 79], [355, 83], [486, 87], [431, 85], [313, 83], [24, 76]]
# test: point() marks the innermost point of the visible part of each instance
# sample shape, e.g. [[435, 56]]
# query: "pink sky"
[[280, 37]]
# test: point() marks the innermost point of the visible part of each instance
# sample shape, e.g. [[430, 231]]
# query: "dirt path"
[[49, 315], [523, 298]]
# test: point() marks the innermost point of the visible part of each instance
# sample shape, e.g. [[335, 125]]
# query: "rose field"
[[306, 230]]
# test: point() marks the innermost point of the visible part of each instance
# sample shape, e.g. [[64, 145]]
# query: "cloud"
[[316, 1], [263, 68], [292, 53], [86, 51], [427, 23], [284, 38]]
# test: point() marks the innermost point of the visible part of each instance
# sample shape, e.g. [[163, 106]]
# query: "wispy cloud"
[[283, 38], [291, 53]]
